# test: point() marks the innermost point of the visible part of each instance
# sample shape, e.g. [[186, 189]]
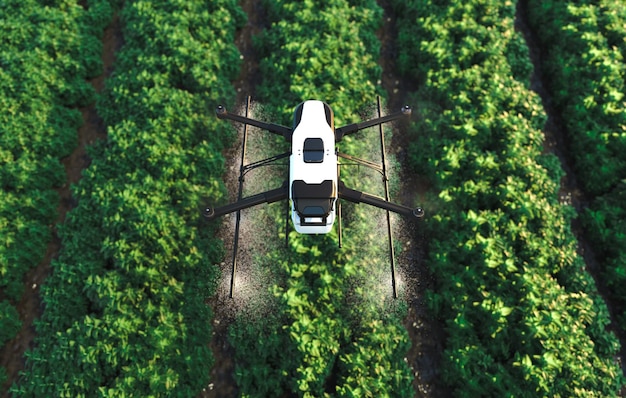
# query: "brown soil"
[[30, 306], [426, 333], [249, 76]]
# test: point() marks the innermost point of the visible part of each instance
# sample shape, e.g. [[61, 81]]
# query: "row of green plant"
[[125, 311], [47, 54], [590, 39], [329, 333], [589, 92], [521, 314]]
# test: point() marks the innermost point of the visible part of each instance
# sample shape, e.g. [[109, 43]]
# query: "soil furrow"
[[222, 374], [426, 333]]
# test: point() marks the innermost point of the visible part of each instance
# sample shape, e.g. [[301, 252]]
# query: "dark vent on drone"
[[313, 150]]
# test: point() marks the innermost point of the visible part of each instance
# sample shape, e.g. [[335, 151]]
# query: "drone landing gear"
[[383, 203], [270, 196], [239, 197]]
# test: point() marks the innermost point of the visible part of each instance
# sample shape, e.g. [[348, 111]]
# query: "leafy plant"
[[589, 93], [42, 82], [125, 310], [522, 316]]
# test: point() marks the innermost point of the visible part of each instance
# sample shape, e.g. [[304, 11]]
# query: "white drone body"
[[313, 169]]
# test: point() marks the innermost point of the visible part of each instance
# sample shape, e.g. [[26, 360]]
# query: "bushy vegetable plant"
[[44, 61], [588, 38], [125, 311], [523, 317]]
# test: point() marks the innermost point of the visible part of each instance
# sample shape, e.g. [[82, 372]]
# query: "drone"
[[314, 186]]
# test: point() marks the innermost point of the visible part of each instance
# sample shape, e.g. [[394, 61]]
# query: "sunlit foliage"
[[523, 317], [585, 44], [125, 311], [46, 54]]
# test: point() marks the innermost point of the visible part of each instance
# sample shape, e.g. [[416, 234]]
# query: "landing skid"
[[383, 203], [271, 196]]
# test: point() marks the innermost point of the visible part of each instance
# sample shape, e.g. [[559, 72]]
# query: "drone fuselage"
[[313, 169]]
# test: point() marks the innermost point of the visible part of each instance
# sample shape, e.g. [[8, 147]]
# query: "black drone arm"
[[362, 197], [277, 129], [353, 128], [270, 196]]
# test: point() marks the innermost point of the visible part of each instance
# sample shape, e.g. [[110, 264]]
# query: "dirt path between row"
[[426, 333], [30, 305]]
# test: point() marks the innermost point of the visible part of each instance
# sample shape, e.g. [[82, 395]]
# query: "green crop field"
[[125, 306]]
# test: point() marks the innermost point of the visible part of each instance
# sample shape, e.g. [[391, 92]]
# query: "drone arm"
[[271, 196], [362, 197], [353, 128], [277, 129]]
